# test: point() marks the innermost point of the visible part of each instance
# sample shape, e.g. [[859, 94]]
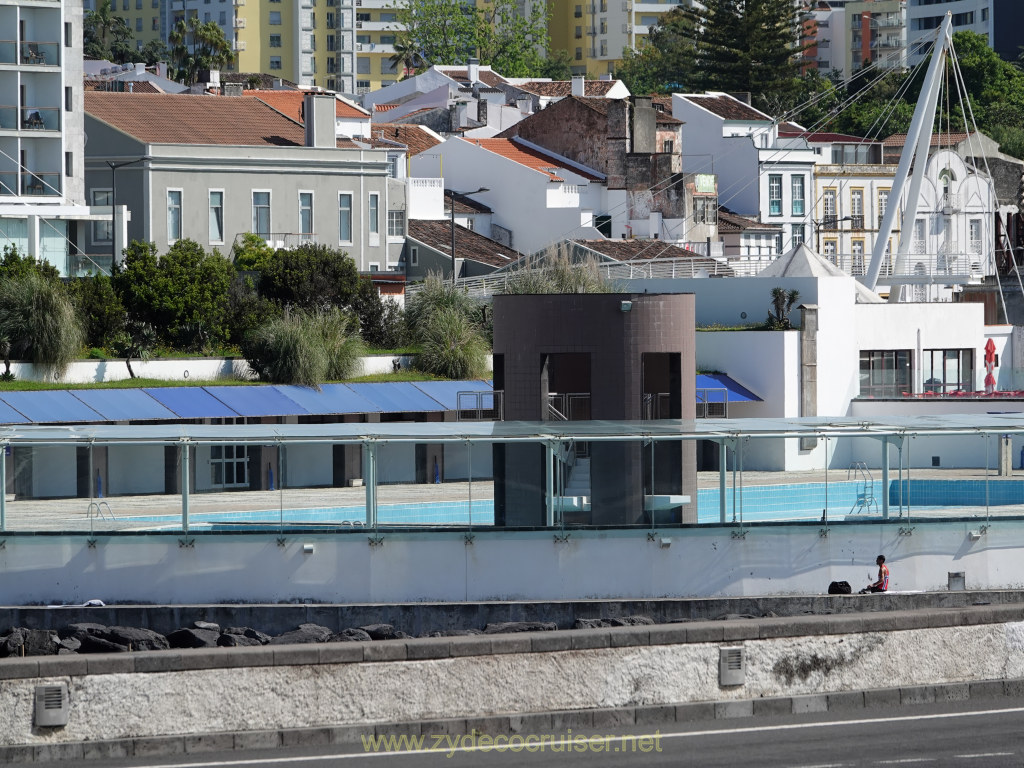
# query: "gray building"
[[213, 168]]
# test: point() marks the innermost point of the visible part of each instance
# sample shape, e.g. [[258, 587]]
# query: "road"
[[978, 734]]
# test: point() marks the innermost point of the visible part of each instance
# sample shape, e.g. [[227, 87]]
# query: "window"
[[775, 194], [138, 5], [363, 67], [155, 4], [261, 213], [345, 217], [69, 164], [229, 464], [173, 215], [604, 26], [798, 195], [579, 33], [396, 223], [216, 216], [579, 54], [373, 218], [578, 12], [275, 62], [124, 5], [885, 373], [330, 20], [857, 208], [275, 18], [778, 242], [604, 47], [67, 99], [222, 18], [947, 370], [857, 258], [67, 34], [306, 215], [829, 249], [797, 231], [312, 42], [414, 256], [705, 210], [275, 41], [156, 24], [883, 204], [101, 230], [829, 219], [138, 24]]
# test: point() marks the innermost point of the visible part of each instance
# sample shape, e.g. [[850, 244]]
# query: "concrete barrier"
[[179, 701]]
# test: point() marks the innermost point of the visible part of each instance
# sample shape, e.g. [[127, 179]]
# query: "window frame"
[[344, 213], [269, 207], [304, 235], [98, 225], [798, 204], [180, 208], [396, 214], [210, 208], [774, 194], [373, 213]]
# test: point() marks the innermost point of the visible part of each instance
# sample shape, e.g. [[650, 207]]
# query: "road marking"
[[907, 760], [595, 739], [981, 755]]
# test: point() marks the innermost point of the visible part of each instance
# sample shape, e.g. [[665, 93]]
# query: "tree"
[[196, 46], [666, 62], [407, 56], [511, 37], [106, 35], [557, 65], [441, 31], [38, 320], [136, 340], [381, 323], [782, 305], [99, 308], [153, 52], [310, 276], [14, 264]]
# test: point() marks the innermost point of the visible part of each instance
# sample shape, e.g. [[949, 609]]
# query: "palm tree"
[[196, 46], [39, 320], [782, 305], [407, 55], [102, 30], [136, 340]]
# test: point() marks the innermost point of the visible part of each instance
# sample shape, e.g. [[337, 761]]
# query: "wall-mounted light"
[[626, 306]]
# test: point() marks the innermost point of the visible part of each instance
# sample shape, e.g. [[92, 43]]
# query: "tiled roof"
[[487, 75], [266, 82], [601, 104], [417, 138], [291, 102], [385, 107], [733, 222], [468, 244], [948, 139], [184, 119], [563, 88], [729, 108], [463, 204], [531, 158], [643, 249]]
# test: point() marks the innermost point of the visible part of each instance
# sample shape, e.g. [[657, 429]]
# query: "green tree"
[[643, 71], [557, 65], [135, 340], [194, 293], [196, 46], [38, 320], [781, 306], [666, 62], [252, 253], [381, 323], [511, 37], [310, 276], [105, 35], [137, 281], [407, 57], [441, 31], [153, 52], [98, 307]]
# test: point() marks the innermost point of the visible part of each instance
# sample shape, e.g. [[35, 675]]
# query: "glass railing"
[[38, 53], [40, 118], [8, 118], [8, 184], [8, 52], [44, 184]]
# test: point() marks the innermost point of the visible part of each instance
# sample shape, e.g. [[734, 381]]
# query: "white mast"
[[918, 141]]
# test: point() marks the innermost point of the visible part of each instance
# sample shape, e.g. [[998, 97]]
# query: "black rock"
[[233, 641], [70, 644], [350, 635], [29, 642], [461, 632], [206, 625], [190, 637], [81, 629], [380, 631], [248, 632], [135, 638], [306, 633], [630, 621], [502, 627], [94, 644], [590, 624]]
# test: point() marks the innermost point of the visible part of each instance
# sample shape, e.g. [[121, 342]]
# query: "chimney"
[[525, 104], [319, 114], [161, 69], [473, 67], [579, 87], [607, 77], [140, 68], [278, 84], [481, 111]]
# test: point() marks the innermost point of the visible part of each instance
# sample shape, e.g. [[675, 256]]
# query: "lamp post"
[[819, 224], [451, 196], [113, 204]]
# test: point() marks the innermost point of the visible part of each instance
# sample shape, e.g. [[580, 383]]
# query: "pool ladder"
[[865, 486], [96, 510]]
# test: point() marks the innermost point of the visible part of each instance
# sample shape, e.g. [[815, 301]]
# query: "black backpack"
[[840, 588]]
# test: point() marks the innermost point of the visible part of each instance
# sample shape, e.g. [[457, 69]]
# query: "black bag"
[[840, 588]]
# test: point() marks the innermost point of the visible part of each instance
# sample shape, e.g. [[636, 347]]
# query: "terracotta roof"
[[643, 249], [437, 234], [733, 222], [266, 81], [416, 137], [487, 75], [385, 107], [729, 108], [183, 119], [463, 204], [531, 158], [290, 103], [562, 88], [948, 139], [601, 104]]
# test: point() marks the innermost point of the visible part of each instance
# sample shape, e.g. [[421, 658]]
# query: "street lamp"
[[113, 204], [451, 196], [832, 221]]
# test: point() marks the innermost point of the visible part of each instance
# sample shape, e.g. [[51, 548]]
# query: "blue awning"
[[257, 401], [51, 406], [330, 399], [714, 383], [397, 397], [191, 402], [447, 393], [124, 404]]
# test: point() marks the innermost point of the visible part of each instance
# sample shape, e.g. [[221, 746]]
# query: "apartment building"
[[42, 134], [844, 36]]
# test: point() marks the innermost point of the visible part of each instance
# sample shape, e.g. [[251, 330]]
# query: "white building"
[[925, 16], [42, 134], [758, 176]]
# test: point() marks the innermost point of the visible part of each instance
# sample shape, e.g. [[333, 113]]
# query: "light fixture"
[[307, 548], [665, 541], [626, 306]]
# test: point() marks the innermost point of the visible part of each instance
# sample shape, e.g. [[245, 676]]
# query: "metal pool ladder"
[[865, 486], [96, 510]]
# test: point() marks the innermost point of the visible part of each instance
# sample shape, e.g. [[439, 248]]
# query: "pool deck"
[[72, 515]]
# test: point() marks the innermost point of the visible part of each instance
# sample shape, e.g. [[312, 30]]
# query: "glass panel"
[[345, 218], [216, 217]]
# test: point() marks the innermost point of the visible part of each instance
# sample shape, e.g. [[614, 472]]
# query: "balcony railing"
[[8, 184], [857, 222], [8, 52], [41, 53], [950, 202], [8, 118], [40, 118], [40, 184]]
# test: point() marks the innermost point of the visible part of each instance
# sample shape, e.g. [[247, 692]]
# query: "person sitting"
[[882, 585]]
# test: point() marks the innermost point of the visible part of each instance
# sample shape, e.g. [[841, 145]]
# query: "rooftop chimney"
[[579, 87], [140, 68], [474, 70], [161, 69], [319, 114]]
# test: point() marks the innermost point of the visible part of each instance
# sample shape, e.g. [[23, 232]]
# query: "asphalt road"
[[981, 734]]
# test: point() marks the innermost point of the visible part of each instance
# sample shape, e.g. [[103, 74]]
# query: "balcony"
[[40, 184], [32, 118], [40, 54], [240, 22], [239, 45], [8, 52], [8, 184], [950, 203], [857, 221]]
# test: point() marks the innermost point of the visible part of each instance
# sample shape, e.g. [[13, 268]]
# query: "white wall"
[[457, 461], [396, 463], [309, 465], [54, 472], [134, 469], [705, 562]]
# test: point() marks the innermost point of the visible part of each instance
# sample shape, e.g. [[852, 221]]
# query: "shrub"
[[452, 346]]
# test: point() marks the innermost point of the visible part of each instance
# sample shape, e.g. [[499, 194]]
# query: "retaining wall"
[[166, 700]]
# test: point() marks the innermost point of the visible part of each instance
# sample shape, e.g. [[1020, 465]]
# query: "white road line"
[[603, 739], [907, 760], [981, 755]]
